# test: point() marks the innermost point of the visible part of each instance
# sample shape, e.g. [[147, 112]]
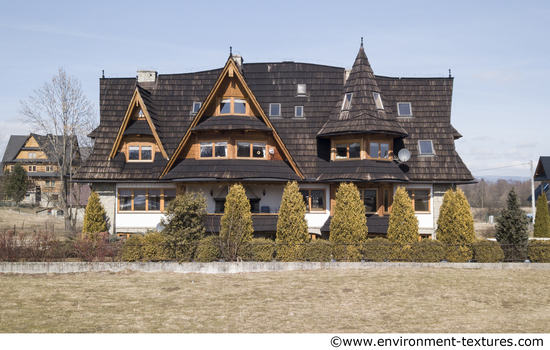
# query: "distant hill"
[[495, 178]]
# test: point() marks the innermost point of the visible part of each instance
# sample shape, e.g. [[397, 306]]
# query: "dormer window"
[[378, 100], [213, 149], [346, 105], [379, 150], [196, 107], [247, 149], [140, 152], [232, 105], [348, 150], [404, 109]]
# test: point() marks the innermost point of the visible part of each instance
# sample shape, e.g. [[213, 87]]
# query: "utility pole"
[[533, 190]]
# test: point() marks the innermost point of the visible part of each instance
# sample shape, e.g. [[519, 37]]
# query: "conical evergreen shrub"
[[511, 230], [94, 216], [403, 226], [455, 226], [542, 220], [292, 230], [236, 224], [348, 226]]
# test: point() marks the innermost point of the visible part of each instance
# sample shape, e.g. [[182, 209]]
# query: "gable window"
[[420, 200], [50, 183], [404, 109], [247, 149], [140, 152], [301, 90], [425, 147], [378, 100], [232, 105], [140, 199], [213, 149], [369, 198], [32, 168], [196, 107], [379, 150], [346, 105], [348, 150], [32, 154], [299, 111], [314, 199], [274, 109]]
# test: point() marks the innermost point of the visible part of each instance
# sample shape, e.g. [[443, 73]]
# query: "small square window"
[[299, 111], [206, 149], [239, 106], [426, 147], [196, 107], [274, 109], [301, 90], [146, 153], [378, 100], [404, 109], [346, 105], [133, 153]]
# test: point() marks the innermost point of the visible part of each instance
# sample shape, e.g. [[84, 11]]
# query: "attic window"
[[299, 111], [425, 147], [140, 153], [404, 109], [140, 114], [301, 89], [347, 102], [232, 105], [274, 109], [196, 107], [378, 100]]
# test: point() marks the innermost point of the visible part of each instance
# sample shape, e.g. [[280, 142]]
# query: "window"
[[140, 152], [346, 105], [425, 147], [274, 109], [299, 111], [348, 150], [369, 198], [314, 199], [232, 105], [404, 109], [32, 168], [247, 149], [301, 90], [140, 114], [213, 149], [140, 199], [32, 154], [50, 183], [49, 168], [378, 100], [379, 150], [220, 205], [196, 107], [420, 200], [386, 200]]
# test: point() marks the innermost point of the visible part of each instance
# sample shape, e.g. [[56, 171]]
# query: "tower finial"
[[449, 73], [230, 51], [361, 41]]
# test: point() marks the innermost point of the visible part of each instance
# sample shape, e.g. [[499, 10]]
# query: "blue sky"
[[499, 53]]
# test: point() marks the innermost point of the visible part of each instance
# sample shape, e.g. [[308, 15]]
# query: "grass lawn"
[[329, 301]]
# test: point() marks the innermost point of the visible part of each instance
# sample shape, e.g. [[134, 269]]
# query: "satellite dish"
[[404, 155]]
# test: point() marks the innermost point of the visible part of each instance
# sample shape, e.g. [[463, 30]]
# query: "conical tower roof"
[[362, 114]]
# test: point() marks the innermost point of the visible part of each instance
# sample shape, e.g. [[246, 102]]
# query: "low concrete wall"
[[240, 267]]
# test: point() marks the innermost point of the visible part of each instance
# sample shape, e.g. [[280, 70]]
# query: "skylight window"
[[274, 109], [196, 107], [404, 109], [378, 100], [301, 90], [299, 111], [346, 105], [426, 147]]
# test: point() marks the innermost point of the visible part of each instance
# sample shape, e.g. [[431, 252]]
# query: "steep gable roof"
[[542, 172], [363, 114]]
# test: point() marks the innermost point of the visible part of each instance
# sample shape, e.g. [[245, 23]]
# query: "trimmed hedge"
[[487, 251], [132, 249], [319, 250], [208, 249], [539, 251], [458, 253], [262, 249], [154, 247], [428, 250], [376, 249]]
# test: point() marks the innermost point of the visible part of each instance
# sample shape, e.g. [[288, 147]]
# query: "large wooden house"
[[264, 124]]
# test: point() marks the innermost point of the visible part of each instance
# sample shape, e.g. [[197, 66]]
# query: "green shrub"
[[154, 247], [132, 249], [542, 220], [512, 229], [292, 229], [428, 250], [487, 251], [376, 249], [261, 249], [318, 250], [403, 226], [236, 224], [94, 216], [208, 249], [455, 224], [458, 253], [539, 251]]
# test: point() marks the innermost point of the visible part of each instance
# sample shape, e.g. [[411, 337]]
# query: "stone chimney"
[[146, 76], [238, 61]]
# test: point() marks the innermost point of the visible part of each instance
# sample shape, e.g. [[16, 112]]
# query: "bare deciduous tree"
[[60, 111]]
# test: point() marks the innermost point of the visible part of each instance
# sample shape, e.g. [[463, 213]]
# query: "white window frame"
[[301, 89], [271, 105], [404, 115], [420, 148], [296, 109], [378, 100], [348, 105], [196, 107]]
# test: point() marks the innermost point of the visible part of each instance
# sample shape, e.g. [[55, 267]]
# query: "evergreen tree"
[[16, 183], [184, 224], [94, 216], [403, 226], [349, 224], [292, 230], [512, 229], [542, 220], [455, 226], [236, 225]]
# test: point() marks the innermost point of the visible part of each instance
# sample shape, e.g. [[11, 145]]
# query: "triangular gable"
[[229, 71], [543, 169], [136, 103]]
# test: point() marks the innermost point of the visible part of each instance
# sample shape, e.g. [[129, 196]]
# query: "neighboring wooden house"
[[263, 124], [542, 173]]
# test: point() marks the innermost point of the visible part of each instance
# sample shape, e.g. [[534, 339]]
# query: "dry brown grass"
[[329, 301], [28, 220]]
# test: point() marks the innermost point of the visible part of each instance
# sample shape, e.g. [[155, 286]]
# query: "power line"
[[502, 167]]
